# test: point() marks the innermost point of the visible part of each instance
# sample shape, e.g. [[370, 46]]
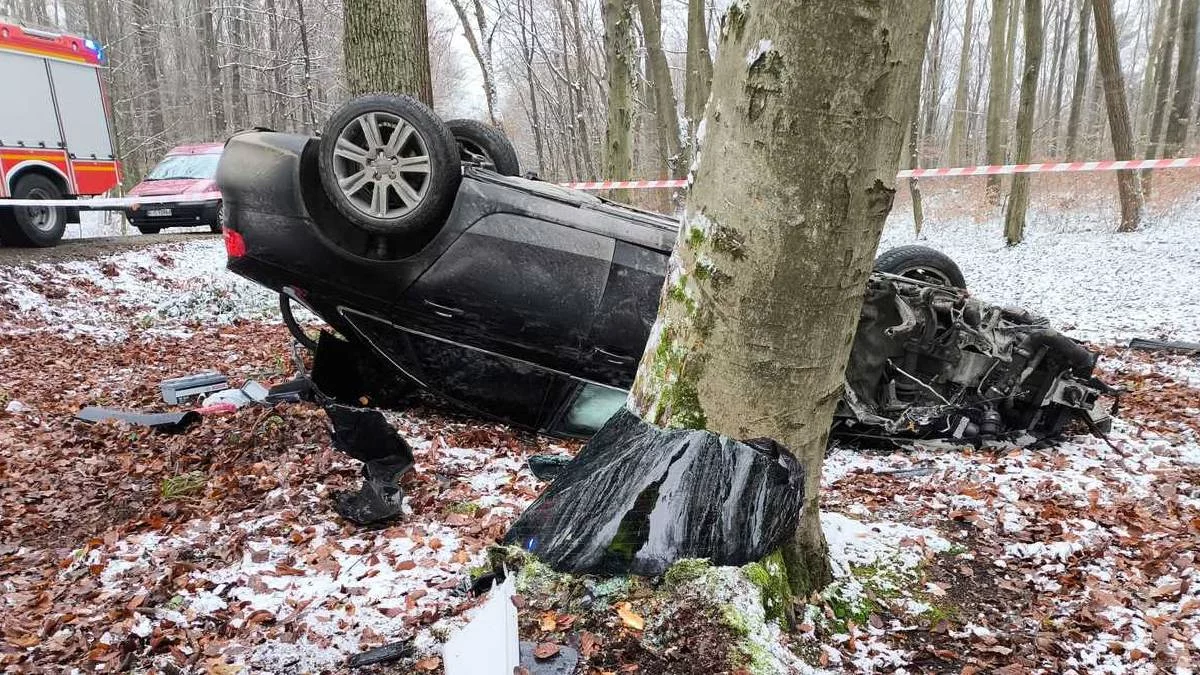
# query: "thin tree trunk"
[[1081, 74], [1162, 90], [1145, 108], [698, 70], [1185, 88], [666, 108], [1109, 62], [914, 161], [524, 22], [933, 76], [241, 101], [997, 95], [1060, 68], [385, 45], [958, 125], [278, 95], [618, 47], [1010, 58], [310, 112], [578, 89], [1018, 200], [216, 91], [780, 231], [151, 95], [480, 51]]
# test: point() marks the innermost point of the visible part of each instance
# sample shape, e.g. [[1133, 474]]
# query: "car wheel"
[[34, 225], [293, 326], [484, 145], [921, 263], [148, 229], [216, 225], [389, 164]]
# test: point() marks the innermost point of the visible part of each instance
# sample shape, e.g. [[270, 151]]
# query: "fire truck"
[[55, 131]]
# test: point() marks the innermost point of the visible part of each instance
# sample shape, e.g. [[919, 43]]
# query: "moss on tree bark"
[[796, 176]]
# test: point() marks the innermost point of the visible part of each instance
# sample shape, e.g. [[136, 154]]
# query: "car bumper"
[[176, 215]]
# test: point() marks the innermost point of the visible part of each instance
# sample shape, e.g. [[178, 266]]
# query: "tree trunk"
[[618, 48], [666, 108], [1018, 200], [958, 125], [578, 89], [241, 100], [216, 91], [1145, 109], [781, 228], [1060, 68], [914, 161], [480, 50], [147, 45], [385, 44], [535, 122], [1185, 88], [997, 95], [1162, 90], [278, 97], [933, 77], [698, 70], [1081, 73], [1109, 62], [310, 112]]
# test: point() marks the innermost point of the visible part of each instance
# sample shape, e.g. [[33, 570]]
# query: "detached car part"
[[530, 303]]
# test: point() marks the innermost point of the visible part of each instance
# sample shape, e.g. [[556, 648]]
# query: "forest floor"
[[216, 550]]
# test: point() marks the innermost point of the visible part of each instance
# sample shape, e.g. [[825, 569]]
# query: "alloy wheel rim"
[[382, 165], [926, 274]]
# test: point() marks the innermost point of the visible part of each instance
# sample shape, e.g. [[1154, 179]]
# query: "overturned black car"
[[532, 303]]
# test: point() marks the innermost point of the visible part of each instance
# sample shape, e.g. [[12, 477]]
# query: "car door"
[[627, 313]]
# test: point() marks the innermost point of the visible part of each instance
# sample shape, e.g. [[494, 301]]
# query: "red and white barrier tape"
[[102, 203], [987, 170]]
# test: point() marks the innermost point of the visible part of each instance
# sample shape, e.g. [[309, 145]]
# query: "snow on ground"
[[1074, 269], [156, 289]]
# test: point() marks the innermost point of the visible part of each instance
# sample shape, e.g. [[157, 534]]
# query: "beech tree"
[[795, 177], [1018, 200], [997, 102], [1128, 187], [385, 45], [618, 48]]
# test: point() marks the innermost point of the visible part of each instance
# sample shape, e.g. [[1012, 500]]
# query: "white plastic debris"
[[15, 406], [487, 645]]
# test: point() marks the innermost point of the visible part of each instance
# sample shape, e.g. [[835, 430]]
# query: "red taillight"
[[235, 246]]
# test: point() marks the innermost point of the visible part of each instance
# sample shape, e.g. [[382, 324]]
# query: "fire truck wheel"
[[34, 225], [389, 164]]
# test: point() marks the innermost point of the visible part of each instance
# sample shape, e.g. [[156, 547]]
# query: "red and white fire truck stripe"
[[987, 170]]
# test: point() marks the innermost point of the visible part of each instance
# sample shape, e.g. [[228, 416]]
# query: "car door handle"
[[615, 359], [444, 311]]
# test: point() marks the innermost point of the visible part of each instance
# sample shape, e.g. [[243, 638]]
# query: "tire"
[[217, 225], [298, 334], [148, 229], [486, 146], [922, 264], [348, 155], [33, 225]]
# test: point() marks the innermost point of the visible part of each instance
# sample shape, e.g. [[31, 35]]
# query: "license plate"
[[156, 213]]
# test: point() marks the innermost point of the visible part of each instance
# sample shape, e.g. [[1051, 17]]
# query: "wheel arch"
[[37, 166]]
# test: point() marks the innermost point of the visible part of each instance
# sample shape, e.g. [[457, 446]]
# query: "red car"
[[187, 169]]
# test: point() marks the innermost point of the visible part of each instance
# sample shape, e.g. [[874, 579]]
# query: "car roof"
[[197, 149]]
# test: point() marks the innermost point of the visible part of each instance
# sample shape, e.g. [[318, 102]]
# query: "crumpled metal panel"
[[638, 498]]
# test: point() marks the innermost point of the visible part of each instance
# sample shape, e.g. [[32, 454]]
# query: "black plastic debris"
[[385, 654], [365, 435], [171, 423], [292, 391], [1178, 347], [563, 662], [547, 467], [176, 389], [638, 498]]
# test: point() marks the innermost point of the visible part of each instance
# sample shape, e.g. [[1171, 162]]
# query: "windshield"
[[185, 166]]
